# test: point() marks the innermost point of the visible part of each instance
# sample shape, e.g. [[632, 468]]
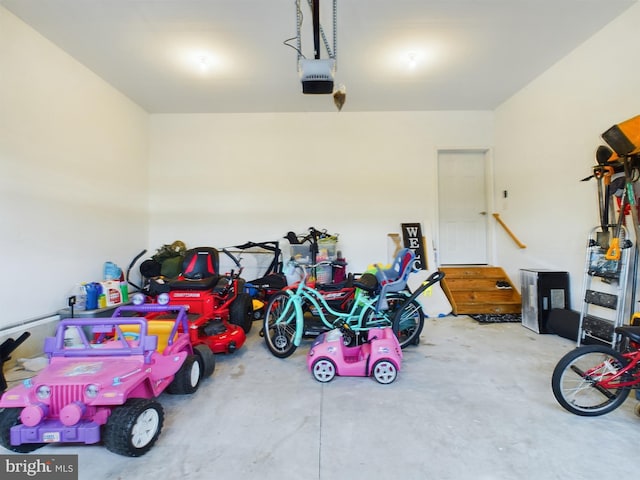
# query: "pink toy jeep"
[[380, 356], [101, 383]]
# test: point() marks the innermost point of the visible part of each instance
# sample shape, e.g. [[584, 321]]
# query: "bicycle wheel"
[[410, 318], [577, 380], [280, 324], [408, 322], [384, 318]]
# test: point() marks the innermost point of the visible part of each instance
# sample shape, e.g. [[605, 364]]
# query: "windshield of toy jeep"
[[89, 338]]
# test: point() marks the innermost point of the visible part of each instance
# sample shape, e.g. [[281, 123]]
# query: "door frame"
[[488, 189]]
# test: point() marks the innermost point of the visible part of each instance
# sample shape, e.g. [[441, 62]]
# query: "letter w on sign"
[[413, 239]]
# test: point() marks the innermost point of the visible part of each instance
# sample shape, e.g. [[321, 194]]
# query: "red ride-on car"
[[220, 312]]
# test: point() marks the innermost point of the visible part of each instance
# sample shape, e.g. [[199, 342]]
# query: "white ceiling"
[[471, 54]]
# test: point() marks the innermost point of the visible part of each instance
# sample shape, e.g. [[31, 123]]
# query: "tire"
[[323, 370], [583, 396], [408, 322], [384, 371], [133, 428], [406, 318], [279, 333], [187, 379], [383, 318], [241, 312], [206, 358], [10, 417]]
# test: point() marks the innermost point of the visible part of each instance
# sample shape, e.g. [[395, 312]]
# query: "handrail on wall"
[[515, 239]]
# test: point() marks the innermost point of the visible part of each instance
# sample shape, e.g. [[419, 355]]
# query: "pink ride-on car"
[[102, 382], [380, 356]]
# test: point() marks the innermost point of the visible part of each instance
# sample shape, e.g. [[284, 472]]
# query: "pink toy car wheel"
[[324, 370], [384, 371]]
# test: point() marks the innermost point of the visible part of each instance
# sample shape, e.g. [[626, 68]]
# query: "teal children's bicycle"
[[378, 300]]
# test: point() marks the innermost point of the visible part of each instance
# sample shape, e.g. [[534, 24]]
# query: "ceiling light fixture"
[[412, 61], [203, 62]]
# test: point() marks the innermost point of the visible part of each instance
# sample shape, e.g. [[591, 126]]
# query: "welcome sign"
[[413, 239]]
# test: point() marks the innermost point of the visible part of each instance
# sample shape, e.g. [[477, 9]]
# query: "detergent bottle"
[[80, 293], [93, 290]]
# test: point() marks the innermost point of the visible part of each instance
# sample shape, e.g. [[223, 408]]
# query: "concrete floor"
[[473, 401]]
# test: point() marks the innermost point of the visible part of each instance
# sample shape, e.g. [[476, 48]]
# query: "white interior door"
[[462, 207]]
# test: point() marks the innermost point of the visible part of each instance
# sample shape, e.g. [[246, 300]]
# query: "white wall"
[[546, 137], [73, 187], [221, 180]]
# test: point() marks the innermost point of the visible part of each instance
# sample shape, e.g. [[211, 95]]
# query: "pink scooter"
[[380, 356]]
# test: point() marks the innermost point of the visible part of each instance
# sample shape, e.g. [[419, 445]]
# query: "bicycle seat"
[[367, 282], [199, 270], [631, 332]]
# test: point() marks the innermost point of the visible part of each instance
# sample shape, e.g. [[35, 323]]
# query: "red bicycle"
[[596, 379]]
